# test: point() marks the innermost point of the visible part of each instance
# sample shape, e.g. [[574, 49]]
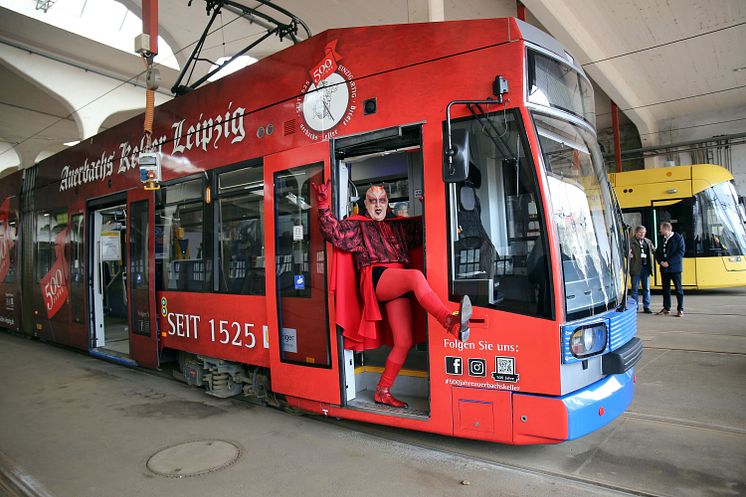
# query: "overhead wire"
[[661, 45]]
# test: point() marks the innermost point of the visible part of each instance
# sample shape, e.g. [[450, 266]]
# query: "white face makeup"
[[376, 203]]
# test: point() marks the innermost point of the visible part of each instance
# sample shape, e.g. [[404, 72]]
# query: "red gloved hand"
[[322, 194]]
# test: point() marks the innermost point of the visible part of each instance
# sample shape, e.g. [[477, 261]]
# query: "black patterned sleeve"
[[345, 235]]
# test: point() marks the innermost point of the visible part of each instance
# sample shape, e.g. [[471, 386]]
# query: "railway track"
[[464, 449]]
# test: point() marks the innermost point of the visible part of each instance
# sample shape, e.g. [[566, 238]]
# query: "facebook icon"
[[454, 365]]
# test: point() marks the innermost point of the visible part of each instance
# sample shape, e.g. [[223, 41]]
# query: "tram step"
[[408, 382]]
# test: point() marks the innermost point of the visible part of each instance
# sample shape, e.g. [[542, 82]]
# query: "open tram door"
[[121, 279], [141, 284], [678, 212], [305, 364], [392, 158]]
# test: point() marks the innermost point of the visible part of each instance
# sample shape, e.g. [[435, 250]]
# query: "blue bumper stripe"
[[614, 394]]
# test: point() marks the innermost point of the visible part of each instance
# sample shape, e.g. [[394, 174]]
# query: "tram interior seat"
[[476, 256]]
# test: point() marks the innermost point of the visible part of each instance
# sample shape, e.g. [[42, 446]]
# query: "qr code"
[[505, 365]]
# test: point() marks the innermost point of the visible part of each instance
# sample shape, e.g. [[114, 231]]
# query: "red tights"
[[392, 285]]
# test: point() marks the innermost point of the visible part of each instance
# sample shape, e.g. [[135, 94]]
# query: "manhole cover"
[[193, 458]]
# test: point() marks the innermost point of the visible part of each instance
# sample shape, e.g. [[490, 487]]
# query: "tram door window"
[[300, 259], [138, 270], [240, 231], [681, 217], [499, 255], [180, 259], [77, 280]]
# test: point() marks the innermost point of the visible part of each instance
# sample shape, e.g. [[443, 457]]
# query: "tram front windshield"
[[582, 206], [719, 229]]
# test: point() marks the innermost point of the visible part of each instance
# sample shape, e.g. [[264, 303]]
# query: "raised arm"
[[344, 235]]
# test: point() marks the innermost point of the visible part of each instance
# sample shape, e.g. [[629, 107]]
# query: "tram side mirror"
[[456, 158]]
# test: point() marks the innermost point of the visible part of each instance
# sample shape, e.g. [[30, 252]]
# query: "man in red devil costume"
[[379, 243]]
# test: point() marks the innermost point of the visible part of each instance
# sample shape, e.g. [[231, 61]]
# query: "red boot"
[[383, 396], [457, 324]]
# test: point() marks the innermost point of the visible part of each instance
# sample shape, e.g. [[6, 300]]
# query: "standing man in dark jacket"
[[640, 266], [670, 256]]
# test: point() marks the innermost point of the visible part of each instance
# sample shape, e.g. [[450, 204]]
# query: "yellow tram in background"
[[702, 204]]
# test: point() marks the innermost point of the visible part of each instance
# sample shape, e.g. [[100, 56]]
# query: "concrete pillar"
[[426, 10]]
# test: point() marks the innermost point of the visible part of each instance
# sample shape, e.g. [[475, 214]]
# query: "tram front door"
[[122, 278], [306, 363]]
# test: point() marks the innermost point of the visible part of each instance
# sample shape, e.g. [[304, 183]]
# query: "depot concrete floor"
[[83, 427]]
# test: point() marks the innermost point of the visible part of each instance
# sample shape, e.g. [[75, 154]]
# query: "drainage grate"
[[194, 458]]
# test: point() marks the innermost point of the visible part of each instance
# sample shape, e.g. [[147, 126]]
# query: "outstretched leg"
[[395, 282]]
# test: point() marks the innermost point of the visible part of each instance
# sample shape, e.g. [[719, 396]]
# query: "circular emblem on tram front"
[[328, 98], [325, 105]]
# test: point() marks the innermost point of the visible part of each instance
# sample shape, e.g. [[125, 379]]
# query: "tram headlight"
[[588, 340]]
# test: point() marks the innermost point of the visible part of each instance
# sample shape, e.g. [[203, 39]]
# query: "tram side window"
[[500, 256], [8, 247], [59, 237], [240, 234], [51, 231], [43, 246], [76, 268], [53, 246], [179, 238]]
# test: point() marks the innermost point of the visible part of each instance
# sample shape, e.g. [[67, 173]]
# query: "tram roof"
[[280, 77], [642, 186]]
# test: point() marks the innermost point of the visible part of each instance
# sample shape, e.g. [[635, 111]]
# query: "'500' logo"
[[54, 288]]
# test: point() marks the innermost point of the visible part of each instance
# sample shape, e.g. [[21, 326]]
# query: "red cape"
[[364, 326]]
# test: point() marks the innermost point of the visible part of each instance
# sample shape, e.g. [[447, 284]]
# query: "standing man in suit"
[[640, 266], [670, 256]]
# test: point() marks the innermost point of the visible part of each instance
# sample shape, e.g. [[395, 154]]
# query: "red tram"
[[224, 268]]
